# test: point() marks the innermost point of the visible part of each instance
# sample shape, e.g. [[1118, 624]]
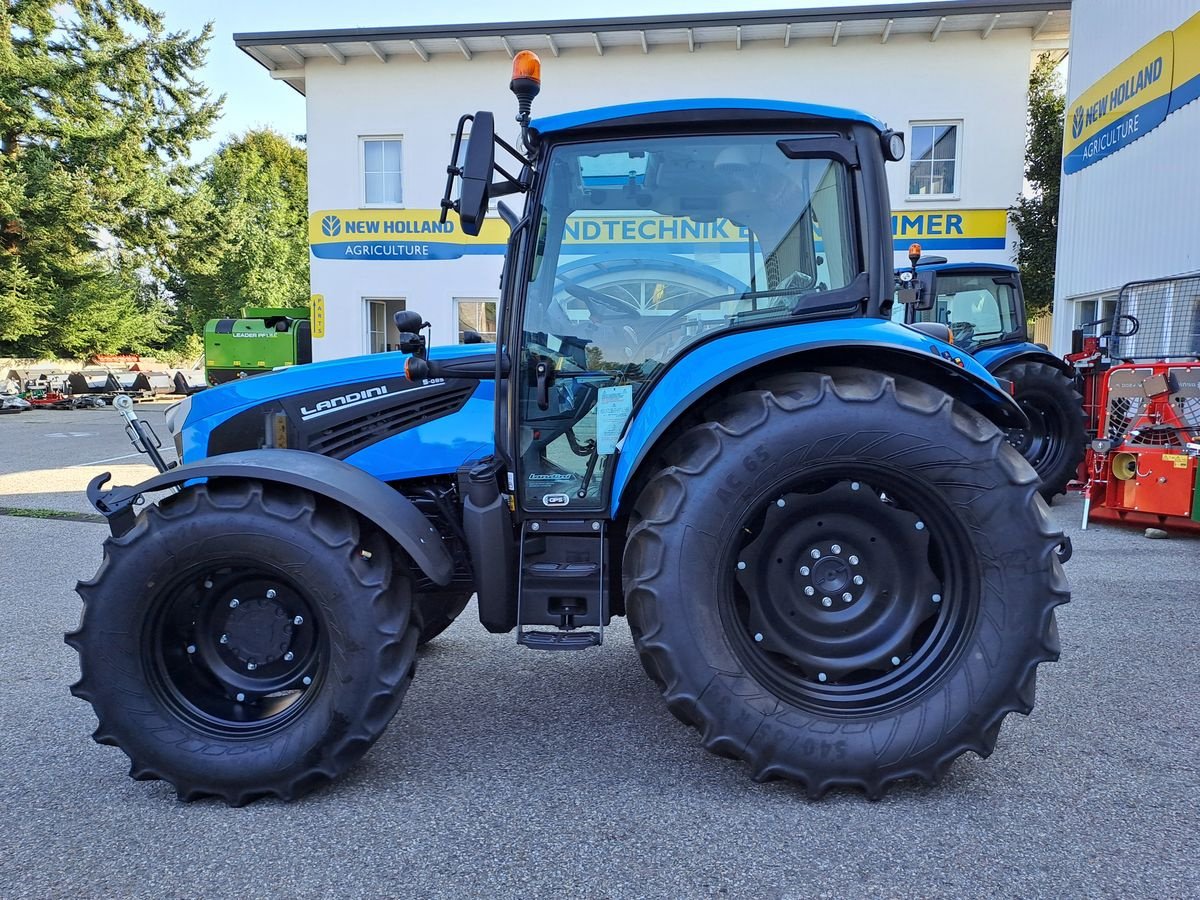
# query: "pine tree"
[[1035, 217], [98, 109]]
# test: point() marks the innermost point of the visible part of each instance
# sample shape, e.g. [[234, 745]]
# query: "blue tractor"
[[983, 306], [833, 565]]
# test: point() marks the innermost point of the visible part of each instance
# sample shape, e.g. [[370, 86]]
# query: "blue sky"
[[254, 100]]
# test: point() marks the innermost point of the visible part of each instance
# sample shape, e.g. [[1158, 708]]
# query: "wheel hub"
[[258, 631], [838, 582]]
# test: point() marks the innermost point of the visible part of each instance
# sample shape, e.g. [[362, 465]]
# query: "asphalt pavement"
[[516, 773]]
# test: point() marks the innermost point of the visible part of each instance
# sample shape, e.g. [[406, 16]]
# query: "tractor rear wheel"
[[1055, 441], [244, 640], [844, 578]]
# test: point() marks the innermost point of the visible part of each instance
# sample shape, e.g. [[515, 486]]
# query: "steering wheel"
[[588, 295]]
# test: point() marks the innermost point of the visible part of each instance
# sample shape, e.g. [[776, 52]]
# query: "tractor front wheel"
[[844, 578], [244, 640]]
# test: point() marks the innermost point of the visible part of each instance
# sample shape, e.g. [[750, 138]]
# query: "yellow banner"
[[1185, 82]]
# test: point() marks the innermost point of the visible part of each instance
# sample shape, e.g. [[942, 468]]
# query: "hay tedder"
[[1142, 397]]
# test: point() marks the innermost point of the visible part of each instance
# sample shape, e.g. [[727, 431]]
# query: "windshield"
[[643, 247]]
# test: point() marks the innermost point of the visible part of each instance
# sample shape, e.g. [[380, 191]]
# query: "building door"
[[381, 335]]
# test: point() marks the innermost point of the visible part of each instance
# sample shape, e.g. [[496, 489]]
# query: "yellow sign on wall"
[[316, 315]]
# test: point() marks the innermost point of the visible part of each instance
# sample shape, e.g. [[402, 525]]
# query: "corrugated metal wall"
[[1135, 214]]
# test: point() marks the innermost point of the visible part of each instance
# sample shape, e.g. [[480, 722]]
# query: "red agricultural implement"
[[1141, 389]]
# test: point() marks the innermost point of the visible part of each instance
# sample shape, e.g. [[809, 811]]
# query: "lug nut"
[[895, 660], [781, 502], [804, 570], [821, 676], [854, 485], [207, 583], [741, 565], [758, 637], [937, 598], [853, 560], [809, 591], [535, 527], [858, 579], [240, 697], [191, 648], [365, 554], [299, 620], [224, 639], [836, 548], [814, 553], [251, 666], [306, 680], [826, 601], [847, 597], [595, 526], [289, 656], [920, 526], [270, 593], [234, 603]]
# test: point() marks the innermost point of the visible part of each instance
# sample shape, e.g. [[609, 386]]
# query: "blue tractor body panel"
[[586, 118], [437, 446], [716, 361]]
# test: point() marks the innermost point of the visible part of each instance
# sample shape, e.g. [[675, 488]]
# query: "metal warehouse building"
[[1130, 207], [383, 104]]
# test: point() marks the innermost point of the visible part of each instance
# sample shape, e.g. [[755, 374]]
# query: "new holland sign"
[[1134, 98], [415, 234]]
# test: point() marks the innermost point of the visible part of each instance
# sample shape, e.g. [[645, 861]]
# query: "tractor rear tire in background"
[[244, 640], [437, 611], [1055, 442], [844, 578]]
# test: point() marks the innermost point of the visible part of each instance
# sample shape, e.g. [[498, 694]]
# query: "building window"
[[1094, 314], [933, 161], [381, 172], [381, 334], [478, 316]]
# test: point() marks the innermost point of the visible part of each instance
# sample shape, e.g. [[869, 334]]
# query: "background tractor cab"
[[983, 308], [696, 415]]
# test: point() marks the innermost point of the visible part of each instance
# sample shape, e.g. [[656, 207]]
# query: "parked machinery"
[[833, 565], [983, 305], [263, 339], [1141, 467]]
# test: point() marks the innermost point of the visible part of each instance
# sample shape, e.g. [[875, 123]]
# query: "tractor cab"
[[980, 303]]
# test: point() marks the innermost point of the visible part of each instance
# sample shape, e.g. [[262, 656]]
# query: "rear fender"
[[994, 358], [388, 509], [865, 343]]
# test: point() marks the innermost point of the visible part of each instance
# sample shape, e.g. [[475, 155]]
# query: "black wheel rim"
[[1042, 442], [850, 591], [236, 651]]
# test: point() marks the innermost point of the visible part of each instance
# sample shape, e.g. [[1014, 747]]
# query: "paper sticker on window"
[[613, 406]]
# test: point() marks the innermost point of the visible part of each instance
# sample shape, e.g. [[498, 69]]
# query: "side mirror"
[[926, 290], [477, 173]]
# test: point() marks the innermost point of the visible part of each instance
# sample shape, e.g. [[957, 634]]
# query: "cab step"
[[559, 640], [562, 595]]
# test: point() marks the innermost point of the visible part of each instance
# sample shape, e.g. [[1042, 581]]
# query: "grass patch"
[[39, 512]]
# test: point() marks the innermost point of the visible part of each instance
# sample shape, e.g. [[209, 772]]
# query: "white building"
[[1130, 203], [383, 104]]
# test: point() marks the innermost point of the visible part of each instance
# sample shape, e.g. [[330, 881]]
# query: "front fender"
[[866, 343], [388, 509]]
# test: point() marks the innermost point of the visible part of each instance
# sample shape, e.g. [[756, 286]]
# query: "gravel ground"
[[514, 773]]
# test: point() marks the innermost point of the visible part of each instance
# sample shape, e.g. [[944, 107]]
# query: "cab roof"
[[665, 110]]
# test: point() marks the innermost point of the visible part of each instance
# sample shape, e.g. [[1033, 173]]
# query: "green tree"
[[98, 109], [243, 237], [1035, 216]]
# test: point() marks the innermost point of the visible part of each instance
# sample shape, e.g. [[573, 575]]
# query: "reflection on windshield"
[[644, 247]]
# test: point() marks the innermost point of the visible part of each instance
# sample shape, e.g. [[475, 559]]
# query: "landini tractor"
[[833, 564], [983, 305]]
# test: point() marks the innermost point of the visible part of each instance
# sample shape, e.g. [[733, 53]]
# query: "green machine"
[[263, 339]]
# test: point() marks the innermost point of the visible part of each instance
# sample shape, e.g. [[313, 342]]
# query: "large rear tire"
[[242, 641], [844, 579], [1055, 442]]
